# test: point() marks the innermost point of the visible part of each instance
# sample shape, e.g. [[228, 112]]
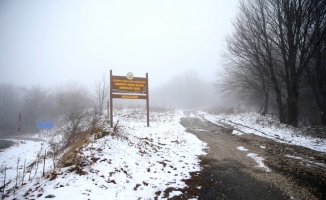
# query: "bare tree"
[[316, 73], [248, 58], [278, 39], [297, 27], [101, 89], [74, 103]]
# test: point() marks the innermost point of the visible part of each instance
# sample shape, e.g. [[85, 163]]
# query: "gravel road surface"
[[230, 172]]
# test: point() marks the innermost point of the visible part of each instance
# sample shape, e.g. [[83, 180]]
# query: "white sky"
[[52, 42]]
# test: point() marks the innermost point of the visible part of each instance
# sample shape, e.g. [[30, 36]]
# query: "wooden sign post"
[[128, 87]]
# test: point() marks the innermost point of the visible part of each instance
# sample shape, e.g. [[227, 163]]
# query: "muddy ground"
[[227, 173]]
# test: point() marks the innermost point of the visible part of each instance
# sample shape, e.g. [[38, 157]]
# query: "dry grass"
[[72, 149], [72, 153]]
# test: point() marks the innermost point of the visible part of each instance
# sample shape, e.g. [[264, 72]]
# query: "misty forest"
[[266, 105], [274, 63], [77, 103]]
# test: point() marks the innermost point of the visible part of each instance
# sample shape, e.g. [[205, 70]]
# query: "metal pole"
[[147, 99]]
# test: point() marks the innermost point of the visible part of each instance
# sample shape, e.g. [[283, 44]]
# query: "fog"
[[185, 90], [52, 54], [54, 42]]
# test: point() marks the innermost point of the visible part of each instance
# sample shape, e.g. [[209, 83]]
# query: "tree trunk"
[[264, 109], [323, 117], [280, 109], [276, 90], [322, 108], [293, 108]]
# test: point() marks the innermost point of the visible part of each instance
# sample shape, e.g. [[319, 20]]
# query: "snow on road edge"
[[265, 127]]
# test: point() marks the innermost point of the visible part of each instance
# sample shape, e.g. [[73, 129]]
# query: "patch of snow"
[[259, 160], [174, 193], [198, 129], [202, 118], [309, 162], [323, 165], [263, 147], [294, 157], [241, 148], [192, 115], [235, 132]]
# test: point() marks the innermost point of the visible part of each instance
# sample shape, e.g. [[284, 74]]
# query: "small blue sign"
[[45, 124]]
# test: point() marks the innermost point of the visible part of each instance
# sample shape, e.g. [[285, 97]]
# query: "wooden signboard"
[[128, 87]]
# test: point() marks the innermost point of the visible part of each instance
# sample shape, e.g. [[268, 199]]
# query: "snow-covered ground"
[[139, 163], [20, 155], [247, 123]]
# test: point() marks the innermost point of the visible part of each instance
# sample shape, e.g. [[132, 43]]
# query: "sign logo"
[[130, 75]]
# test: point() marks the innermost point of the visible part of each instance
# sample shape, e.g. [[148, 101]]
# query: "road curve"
[[229, 172]]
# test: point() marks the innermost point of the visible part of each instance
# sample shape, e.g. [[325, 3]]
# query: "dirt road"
[[5, 144], [230, 172]]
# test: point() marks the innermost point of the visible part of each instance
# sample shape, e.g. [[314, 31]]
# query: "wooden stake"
[[44, 163], [24, 172], [111, 102], [4, 184], [17, 172]]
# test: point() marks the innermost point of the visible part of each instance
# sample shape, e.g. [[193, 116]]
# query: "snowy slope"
[[140, 163]]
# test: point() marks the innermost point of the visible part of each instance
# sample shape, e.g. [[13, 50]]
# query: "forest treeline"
[[39, 103], [276, 59], [77, 105], [71, 103]]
